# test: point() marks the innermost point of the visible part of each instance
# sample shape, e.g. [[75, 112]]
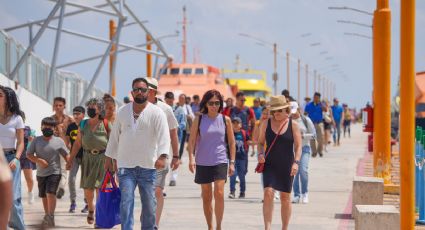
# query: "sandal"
[[90, 217]]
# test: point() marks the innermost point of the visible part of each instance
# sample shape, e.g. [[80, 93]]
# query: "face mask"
[[140, 100], [91, 112], [47, 132]]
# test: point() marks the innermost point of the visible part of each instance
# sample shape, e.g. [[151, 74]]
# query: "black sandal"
[[90, 217]]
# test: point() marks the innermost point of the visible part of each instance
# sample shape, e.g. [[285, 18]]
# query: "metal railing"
[[33, 75]]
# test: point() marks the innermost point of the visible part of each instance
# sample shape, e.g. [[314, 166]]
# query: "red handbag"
[[260, 166]]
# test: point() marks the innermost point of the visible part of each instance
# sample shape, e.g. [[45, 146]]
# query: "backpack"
[[105, 124], [304, 119], [225, 133]]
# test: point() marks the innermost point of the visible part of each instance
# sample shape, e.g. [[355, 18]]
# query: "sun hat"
[[278, 102]]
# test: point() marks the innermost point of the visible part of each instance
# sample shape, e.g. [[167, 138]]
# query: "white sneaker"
[[296, 200], [30, 198], [276, 196], [304, 198]]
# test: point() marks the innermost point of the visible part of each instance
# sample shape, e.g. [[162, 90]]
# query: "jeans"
[[241, 168], [337, 133], [16, 219], [71, 179], [182, 142], [64, 174], [302, 173], [144, 179]]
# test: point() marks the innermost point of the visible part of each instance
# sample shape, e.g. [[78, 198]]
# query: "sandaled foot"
[[90, 217]]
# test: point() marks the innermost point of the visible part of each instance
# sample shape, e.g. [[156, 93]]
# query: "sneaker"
[[30, 198], [241, 195], [72, 207], [304, 199], [172, 183], [296, 200], [321, 154], [48, 221], [85, 209], [60, 193], [276, 196], [232, 195]]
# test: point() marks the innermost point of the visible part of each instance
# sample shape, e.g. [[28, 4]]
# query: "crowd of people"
[[145, 139]]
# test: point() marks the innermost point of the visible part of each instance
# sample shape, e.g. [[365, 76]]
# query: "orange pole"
[[407, 115], [382, 91], [148, 56], [112, 84]]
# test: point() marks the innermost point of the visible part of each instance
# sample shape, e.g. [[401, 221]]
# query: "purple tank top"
[[211, 145]]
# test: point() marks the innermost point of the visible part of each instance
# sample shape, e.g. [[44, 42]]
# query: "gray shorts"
[[160, 177]]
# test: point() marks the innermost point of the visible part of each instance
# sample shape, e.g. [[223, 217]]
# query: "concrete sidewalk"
[[330, 182]]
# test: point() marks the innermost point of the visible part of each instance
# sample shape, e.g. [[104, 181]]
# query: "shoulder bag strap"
[[275, 138]]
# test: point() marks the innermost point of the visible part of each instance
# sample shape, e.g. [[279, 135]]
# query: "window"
[[163, 71], [199, 71], [187, 71], [254, 93], [174, 71]]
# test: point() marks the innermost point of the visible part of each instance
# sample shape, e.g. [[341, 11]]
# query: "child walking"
[[241, 164], [45, 151]]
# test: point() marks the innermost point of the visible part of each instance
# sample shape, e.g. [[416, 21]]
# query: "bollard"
[[421, 184]]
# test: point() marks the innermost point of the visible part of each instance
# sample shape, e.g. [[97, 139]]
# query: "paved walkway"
[[330, 186]]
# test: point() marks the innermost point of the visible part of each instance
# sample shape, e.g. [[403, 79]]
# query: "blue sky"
[[214, 28]]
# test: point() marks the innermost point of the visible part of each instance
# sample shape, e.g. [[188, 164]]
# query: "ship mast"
[[184, 34]]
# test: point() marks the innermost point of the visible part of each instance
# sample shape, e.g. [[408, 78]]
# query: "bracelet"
[[175, 157], [17, 158]]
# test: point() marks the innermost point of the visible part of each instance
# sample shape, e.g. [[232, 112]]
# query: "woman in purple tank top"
[[210, 141]]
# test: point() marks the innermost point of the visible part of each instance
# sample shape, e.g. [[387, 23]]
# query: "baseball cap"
[[152, 83], [294, 106], [236, 119]]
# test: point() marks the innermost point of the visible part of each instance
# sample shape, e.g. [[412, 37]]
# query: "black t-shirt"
[[72, 133]]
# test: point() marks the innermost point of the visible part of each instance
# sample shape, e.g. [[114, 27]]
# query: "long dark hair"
[[207, 96], [12, 103]]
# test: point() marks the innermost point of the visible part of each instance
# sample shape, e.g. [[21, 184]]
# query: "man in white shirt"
[[140, 143], [172, 125]]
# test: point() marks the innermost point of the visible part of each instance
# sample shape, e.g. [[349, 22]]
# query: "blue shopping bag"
[[108, 203]]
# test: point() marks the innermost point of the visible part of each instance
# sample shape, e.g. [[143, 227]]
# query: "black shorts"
[[48, 184], [209, 174]]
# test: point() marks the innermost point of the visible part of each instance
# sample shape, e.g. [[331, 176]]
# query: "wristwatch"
[[297, 162], [232, 161]]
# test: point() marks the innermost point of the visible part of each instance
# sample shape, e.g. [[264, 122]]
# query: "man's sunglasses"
[[142, 90], [212, 103]]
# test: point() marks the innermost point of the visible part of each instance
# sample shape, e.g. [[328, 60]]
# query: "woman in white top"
[[12, 142], [308, 133]]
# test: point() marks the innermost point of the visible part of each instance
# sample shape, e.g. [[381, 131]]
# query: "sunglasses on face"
[[141, 89], [276, 111], [242, 100], [212, 103]]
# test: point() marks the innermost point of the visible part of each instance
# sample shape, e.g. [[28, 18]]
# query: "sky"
[[213, 34]]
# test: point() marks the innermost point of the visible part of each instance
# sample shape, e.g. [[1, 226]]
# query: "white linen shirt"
[[139, 142]]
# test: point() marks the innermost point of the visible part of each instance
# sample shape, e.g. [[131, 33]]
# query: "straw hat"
[[278, 102]]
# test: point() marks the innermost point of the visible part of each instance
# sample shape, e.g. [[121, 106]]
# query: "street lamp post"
[[275, 77], [287, 71]]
